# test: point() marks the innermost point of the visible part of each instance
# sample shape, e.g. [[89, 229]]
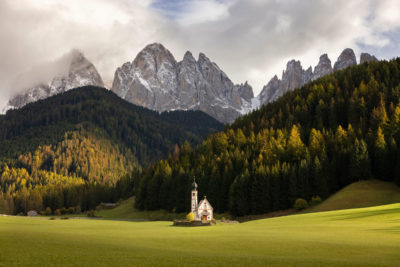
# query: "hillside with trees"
[[311, 142], [81, 147]]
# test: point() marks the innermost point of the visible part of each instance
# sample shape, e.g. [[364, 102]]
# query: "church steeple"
[[194, 185], [194, 203]]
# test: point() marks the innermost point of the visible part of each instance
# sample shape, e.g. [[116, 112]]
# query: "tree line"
[[80, 148], [311, 142]]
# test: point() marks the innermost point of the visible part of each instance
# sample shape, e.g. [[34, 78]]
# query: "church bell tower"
[[194, 203]]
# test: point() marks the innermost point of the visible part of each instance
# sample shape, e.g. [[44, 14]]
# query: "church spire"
[[194, 203], [194, 185]]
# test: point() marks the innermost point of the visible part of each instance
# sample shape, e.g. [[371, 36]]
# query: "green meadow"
[[355, 237], [126, 211], [366, 193]]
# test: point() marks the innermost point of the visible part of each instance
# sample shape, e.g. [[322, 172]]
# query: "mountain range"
[[81, 72], [295, 76], [88, 145], [155, 80]]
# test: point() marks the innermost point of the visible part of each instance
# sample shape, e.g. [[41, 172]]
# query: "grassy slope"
[[361, 194], [357, 195], [359, 237], [126, 211]]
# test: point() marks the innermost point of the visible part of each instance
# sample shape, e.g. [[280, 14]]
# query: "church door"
[[204, 217]]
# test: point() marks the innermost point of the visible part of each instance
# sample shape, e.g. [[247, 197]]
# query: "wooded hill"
[[313, 141], [72, 149]]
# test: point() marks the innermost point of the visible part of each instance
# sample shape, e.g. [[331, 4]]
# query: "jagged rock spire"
[[323, 68], [294, 76], [157, 81], [365, 57], [346, 59]]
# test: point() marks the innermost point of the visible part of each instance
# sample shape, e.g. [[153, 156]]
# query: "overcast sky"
[[249, 39]]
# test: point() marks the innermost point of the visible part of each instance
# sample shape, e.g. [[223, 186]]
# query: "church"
[[203, 210]]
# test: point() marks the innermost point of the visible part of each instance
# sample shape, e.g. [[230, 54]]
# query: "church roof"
[[205, 201]]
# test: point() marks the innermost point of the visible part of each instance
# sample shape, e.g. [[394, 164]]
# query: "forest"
[[311, 142], [82, 147]]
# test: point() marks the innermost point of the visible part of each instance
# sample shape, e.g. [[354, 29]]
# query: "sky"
[[250, 40]]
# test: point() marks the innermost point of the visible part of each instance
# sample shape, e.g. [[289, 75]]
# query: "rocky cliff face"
[[246, 91], [269, 90], [346, 59], [157, 81], [81, 72], [365, 57], [323, 68], [295, 76]]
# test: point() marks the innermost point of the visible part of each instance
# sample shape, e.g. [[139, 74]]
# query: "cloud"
[[43, 73], [256, 38], [386, 15], [109, 33], [190, 12], [249, 39]]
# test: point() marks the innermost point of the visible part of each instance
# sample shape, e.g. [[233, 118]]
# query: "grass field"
[[361, 194], [358, 237], [126, 211]]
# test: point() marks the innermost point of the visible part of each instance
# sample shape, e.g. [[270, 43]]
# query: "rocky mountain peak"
[[269, 90], [365, 57], [188, 57], [203, 58], [292, 67], [307, 75], [346, 59], [246, 91], [323, 68], [294, 76], [81, 72], [156, 81], [79, 63], [153, 59], [155, 48], [292, 64], [77, 57]]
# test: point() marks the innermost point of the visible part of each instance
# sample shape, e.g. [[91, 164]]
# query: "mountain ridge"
[[80, 72], [295, 76], [88, 104], [83, 146], [155, 79]]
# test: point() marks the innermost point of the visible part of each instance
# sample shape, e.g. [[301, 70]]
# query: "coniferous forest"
[[311, 142], [75, 150]]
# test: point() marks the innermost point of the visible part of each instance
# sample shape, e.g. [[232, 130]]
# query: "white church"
[[202, 211]]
